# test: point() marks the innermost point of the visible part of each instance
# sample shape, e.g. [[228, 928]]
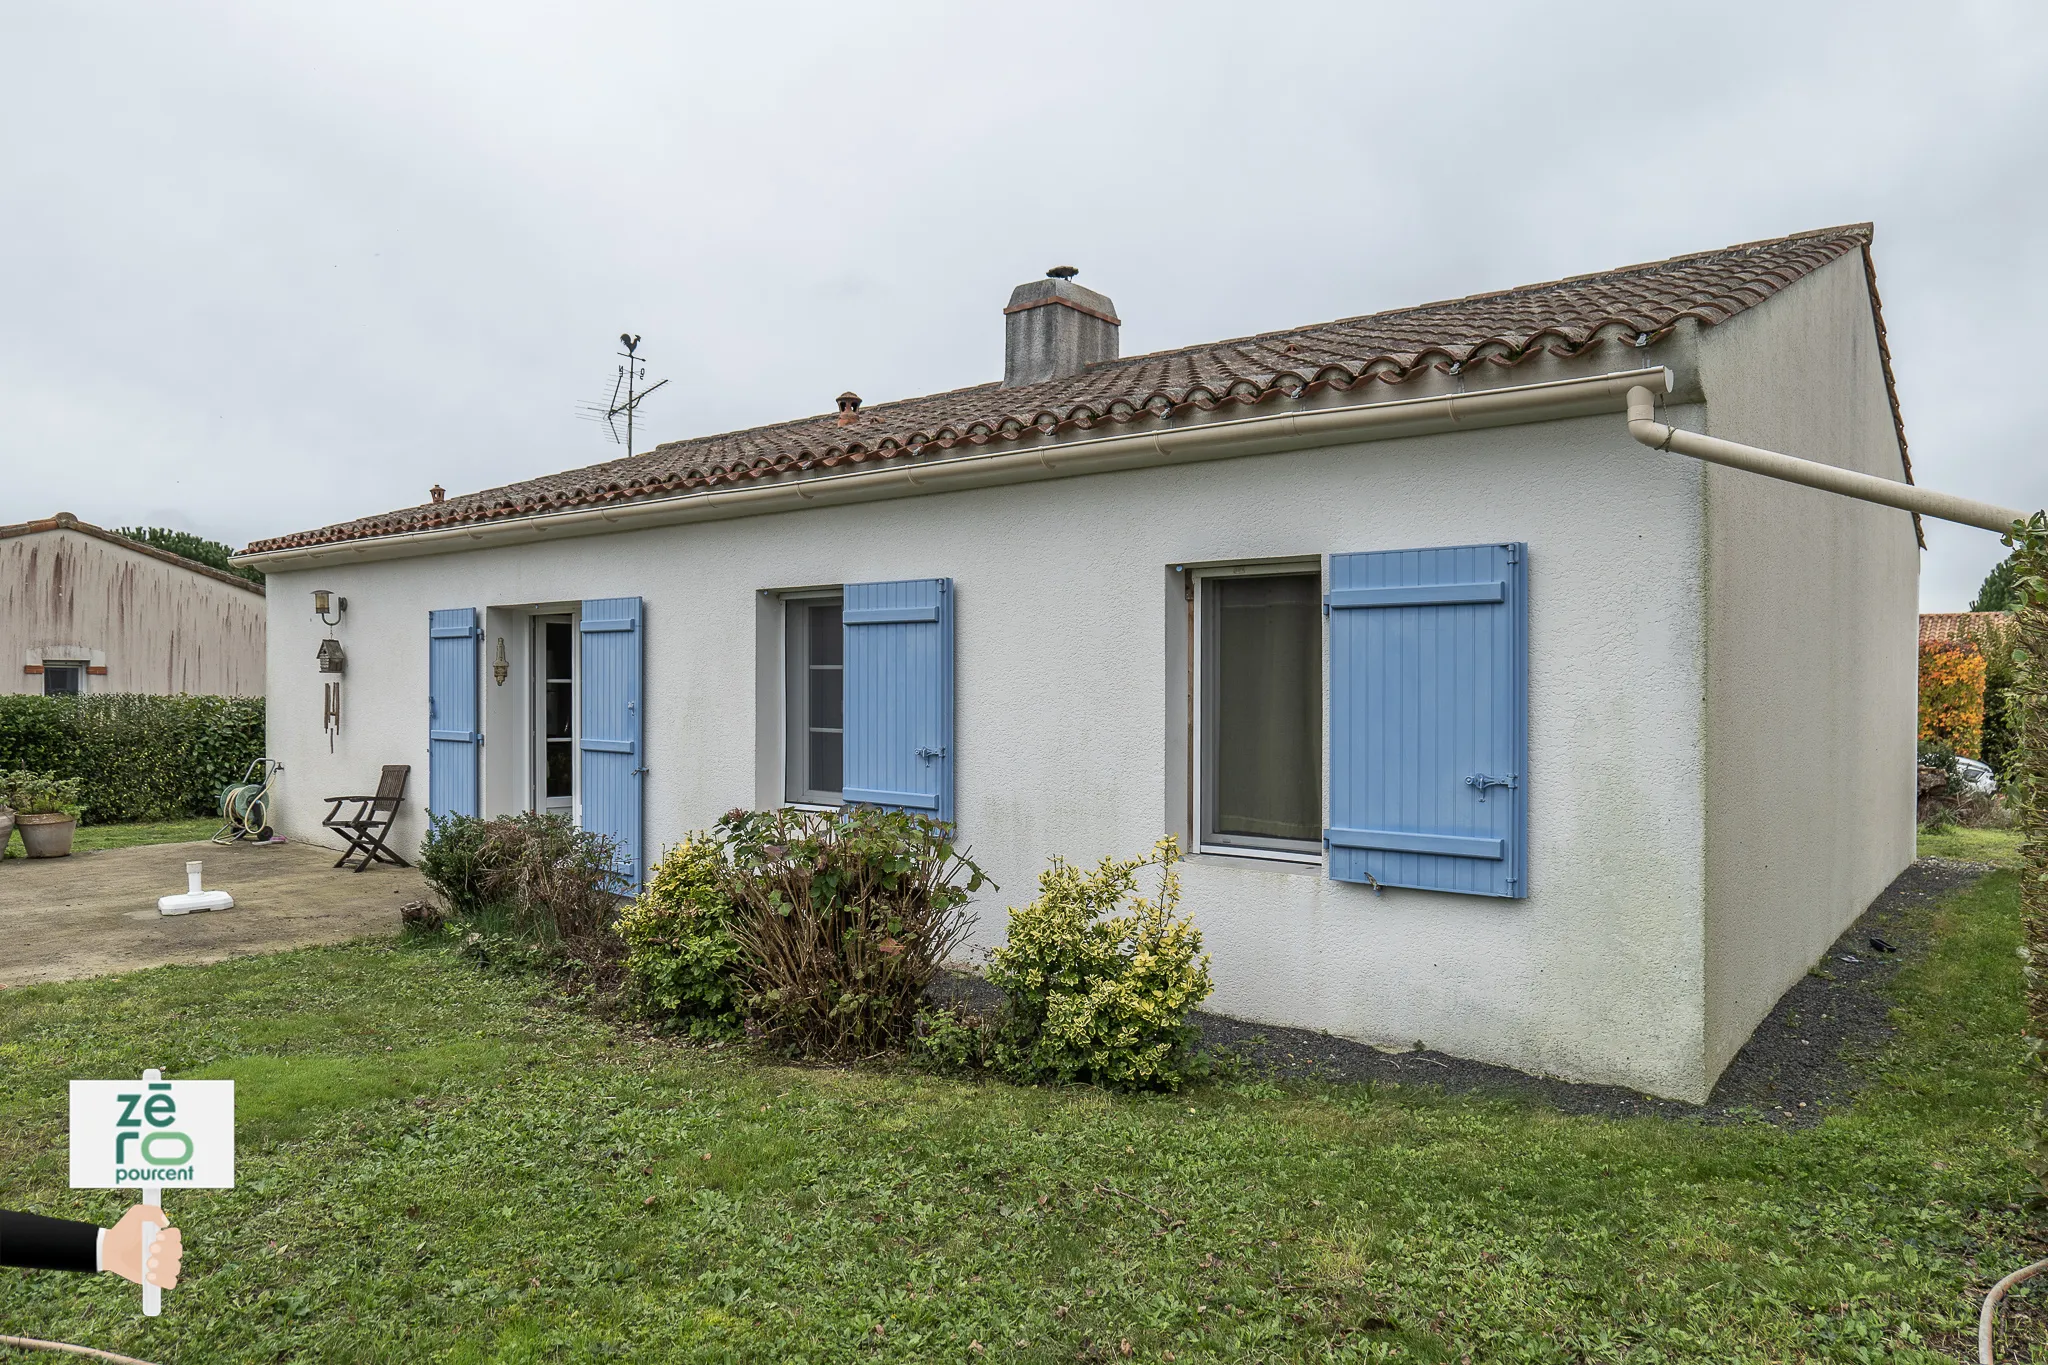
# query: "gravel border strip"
[[1808, 1057]]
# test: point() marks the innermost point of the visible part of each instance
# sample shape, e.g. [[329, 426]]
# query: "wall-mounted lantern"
[[325, 601], [332, 660], [501, 670]]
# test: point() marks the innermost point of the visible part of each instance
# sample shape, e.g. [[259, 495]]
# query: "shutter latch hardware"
[[1482, 782], [929, 754]]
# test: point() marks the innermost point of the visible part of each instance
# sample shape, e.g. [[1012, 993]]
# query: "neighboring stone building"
[[1486, 726], [84, 610]]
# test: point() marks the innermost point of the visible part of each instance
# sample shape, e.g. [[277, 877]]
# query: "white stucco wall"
[[1812, 664], [1062, 708]]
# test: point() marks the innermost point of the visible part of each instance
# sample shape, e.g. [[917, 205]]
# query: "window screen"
[[1262, 711], [814, 652]]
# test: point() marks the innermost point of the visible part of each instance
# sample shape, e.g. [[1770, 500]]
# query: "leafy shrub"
[[2029, 788], [28, 793], [1952, 696], [451, 861], [139, 757], [1096, 995], [842, 918], [1996, 641], [682, 961], [954, 1040], [553, 880]]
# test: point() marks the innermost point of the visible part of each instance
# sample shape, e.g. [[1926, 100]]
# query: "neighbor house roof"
[[65, 521], [1961, 627], [1619, 308]]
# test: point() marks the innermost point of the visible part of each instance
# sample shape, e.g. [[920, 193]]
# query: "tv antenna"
[[626, 395]]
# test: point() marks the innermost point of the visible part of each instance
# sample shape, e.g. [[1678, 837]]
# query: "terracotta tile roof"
[[1961, 627], [1567, 318]]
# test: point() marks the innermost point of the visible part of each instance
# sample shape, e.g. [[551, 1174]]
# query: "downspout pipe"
[[1642, 424]]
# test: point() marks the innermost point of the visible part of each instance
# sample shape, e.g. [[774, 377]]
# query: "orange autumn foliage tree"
[[1952, 697]]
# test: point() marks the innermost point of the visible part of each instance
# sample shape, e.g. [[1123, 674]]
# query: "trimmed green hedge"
[[140, 757]]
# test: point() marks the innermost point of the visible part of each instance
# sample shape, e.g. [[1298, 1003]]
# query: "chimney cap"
[[849, 401], [437, 493], [1062, 272]]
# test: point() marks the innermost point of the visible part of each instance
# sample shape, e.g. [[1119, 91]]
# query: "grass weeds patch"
[[439, 1171]]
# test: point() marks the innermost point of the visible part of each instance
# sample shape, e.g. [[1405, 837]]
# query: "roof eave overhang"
[[1508, 405]]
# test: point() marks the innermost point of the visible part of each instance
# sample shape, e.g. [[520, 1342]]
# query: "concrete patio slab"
[[92, 914]]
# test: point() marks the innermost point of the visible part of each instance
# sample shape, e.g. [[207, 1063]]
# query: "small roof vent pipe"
[[1054, 327]]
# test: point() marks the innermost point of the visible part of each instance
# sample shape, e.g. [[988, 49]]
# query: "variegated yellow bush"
[[1099, 990]]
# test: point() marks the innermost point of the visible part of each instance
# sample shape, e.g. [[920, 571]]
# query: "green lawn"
[[434, 1169], [2001, 846], [91, 837]]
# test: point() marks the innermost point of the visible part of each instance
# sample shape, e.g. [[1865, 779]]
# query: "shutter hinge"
[[1514, 553], [1326, 604], [929, 754]]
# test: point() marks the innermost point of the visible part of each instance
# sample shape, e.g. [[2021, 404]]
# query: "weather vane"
[[626, 395]]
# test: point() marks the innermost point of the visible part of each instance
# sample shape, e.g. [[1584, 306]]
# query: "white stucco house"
[[1487, 726]]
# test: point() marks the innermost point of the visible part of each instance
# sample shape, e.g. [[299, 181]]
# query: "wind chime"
[[331, 660]]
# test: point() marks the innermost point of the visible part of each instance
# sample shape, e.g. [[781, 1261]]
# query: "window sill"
[[1260, 860]]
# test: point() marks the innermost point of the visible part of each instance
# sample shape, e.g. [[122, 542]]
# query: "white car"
[[1978, 777]]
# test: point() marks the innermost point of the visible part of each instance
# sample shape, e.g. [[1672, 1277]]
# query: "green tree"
[[198, 549], [1997, 592]]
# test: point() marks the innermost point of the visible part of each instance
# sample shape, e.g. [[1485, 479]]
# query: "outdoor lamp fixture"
[[324, 601], [501, 670]]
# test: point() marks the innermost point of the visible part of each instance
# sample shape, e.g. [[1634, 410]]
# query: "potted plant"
[[6, 819], [45, 810]]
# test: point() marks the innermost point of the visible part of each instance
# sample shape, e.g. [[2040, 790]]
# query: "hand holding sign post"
[[148, 1134]]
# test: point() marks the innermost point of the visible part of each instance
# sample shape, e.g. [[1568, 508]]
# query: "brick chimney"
[[1054, 327]]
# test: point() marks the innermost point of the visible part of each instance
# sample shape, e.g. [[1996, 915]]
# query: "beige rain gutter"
[[1642, 411], [1508, 406]]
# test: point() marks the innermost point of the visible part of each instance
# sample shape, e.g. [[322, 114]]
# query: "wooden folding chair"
[[366, 826]]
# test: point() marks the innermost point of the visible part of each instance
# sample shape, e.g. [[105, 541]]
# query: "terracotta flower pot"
[[6, 829], [46, 836]]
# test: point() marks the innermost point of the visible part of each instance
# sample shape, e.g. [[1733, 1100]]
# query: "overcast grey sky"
[[271, 266]]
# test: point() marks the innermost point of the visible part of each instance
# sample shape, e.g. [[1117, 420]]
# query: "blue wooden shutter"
[[454, 737], [1429, 687], [610, 731], [899, 695]]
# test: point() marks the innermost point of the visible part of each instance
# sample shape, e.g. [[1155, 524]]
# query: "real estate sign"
[[152, 1133]]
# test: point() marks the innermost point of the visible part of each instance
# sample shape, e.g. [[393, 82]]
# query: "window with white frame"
[[814, 688], [1259, 684]]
